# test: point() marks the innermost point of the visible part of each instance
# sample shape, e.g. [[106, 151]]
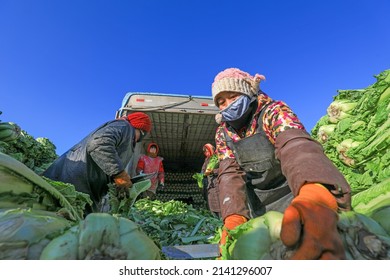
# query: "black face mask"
[[246, 117], [142, 135]]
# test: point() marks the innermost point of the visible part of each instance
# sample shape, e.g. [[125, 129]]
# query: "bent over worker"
[[101, 157], [268, 161]]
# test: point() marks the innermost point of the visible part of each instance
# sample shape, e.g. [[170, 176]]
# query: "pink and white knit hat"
[[235, 80]]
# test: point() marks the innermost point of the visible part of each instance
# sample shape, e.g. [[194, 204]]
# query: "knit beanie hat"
[[140, 120], [235, 80]]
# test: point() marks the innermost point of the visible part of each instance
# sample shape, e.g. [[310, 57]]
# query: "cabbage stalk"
[[343, 149], [325, 131], [340, 109]]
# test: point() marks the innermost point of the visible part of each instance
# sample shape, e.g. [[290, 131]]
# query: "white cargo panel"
[[182, 124]]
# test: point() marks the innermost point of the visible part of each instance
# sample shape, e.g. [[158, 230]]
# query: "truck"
[[181, 125]]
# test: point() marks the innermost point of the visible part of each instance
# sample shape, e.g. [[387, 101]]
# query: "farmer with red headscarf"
[[101, 157], [152, 163], [268, 161]]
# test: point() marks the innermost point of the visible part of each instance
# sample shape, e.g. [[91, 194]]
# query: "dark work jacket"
[[90, 164], [267, 188]]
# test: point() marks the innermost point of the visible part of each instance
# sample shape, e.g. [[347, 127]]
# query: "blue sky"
[[65, 65]]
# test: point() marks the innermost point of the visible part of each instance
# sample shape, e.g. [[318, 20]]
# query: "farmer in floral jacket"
[[268, 161]]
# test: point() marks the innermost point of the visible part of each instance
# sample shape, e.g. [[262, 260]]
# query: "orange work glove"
[[309, 225], [230, 223], [123, 183], [207, 172]]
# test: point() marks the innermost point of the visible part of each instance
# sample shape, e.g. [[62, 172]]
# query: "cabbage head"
[[102, 236]]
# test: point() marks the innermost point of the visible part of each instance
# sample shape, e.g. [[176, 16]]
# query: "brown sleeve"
[[232, 189], [303, 161]]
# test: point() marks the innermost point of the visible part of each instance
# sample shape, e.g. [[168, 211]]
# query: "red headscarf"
[[140, 120], [148, 150], [210, 148]]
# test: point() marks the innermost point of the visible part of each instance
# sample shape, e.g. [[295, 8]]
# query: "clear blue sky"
[[65, 65]]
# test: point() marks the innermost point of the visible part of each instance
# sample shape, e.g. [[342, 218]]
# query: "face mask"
[[236, 110], [152, 152]]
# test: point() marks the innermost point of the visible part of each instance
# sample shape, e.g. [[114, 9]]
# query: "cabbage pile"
[[355, 133], [26, 232], [21, 187], [36, 153], [175, 222], [45, 219]]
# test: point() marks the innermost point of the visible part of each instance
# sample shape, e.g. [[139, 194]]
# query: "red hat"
[[149, 147], [140, 120], [210, 148]]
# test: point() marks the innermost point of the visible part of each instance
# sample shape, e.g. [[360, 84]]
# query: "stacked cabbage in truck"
[[182, 124]]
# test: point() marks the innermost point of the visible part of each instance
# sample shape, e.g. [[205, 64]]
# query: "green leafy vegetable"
[[22, 187], [122, 206], [37, 154], [199, 179], [370, 200], [355, 133], [340, 109], [25, 232], [102, 236], [174, 222]]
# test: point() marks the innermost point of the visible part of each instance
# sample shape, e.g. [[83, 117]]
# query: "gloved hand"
[[122, 183], [230, 223], [309, 225]]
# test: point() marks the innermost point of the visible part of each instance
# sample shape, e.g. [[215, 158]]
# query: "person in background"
[[101, 157], [210, 184], [152, 163], [268, 161]]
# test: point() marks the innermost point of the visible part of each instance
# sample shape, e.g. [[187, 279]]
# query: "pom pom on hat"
[[236, 80], [140, 120]]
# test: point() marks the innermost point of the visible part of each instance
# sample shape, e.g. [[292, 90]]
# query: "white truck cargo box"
[[181, 125]]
